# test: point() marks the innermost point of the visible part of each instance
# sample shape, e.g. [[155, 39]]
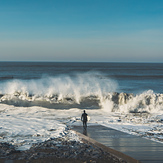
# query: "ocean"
[[40, 96], [130, 77], [81, 84]]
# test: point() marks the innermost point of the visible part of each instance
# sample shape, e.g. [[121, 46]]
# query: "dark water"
[[131, 77]]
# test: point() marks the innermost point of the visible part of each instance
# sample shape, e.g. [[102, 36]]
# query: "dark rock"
[[57, 148]]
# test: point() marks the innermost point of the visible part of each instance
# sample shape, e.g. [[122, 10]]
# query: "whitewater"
[[37, 109]]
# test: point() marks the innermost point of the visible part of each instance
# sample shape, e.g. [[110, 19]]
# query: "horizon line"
[[85, 61]]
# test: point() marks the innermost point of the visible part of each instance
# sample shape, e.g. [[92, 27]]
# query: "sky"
[[81, 30]]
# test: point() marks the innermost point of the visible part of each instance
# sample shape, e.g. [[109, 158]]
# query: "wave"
[[84, 91], [64, 85], [147, 102], [137, 77], [49, 90], [6, 77]]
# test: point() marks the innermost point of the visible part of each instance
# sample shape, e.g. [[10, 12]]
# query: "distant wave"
[[137, 77], [6, 77]]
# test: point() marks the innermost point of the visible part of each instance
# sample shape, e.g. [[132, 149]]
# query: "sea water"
[[130, 77], [39, 99]]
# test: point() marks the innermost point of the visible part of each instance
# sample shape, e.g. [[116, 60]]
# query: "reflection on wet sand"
[[85, 131]]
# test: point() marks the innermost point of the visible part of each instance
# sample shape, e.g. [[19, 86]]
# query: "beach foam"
[[25, 126]]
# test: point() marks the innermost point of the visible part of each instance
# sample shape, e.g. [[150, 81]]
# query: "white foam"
[[147, 101], [24, 126], [77, 85]]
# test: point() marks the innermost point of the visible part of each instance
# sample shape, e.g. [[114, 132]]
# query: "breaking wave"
[[83, 91]]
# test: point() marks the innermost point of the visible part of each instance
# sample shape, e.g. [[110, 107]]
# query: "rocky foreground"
[[57, 150]]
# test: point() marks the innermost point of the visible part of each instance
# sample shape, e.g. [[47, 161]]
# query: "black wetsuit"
[[84, 119]]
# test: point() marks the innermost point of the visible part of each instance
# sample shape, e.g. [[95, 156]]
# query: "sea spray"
[[76, 87], [81, 90], [146, 102]]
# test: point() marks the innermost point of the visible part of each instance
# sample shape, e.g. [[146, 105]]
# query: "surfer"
[[84, 119]]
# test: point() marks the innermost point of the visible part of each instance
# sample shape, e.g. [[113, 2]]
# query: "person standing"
[[84, 119]]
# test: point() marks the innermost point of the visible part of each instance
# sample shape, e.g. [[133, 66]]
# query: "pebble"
[[58, 147]]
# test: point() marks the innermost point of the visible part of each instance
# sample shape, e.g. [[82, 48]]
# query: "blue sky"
[[81, 30]]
